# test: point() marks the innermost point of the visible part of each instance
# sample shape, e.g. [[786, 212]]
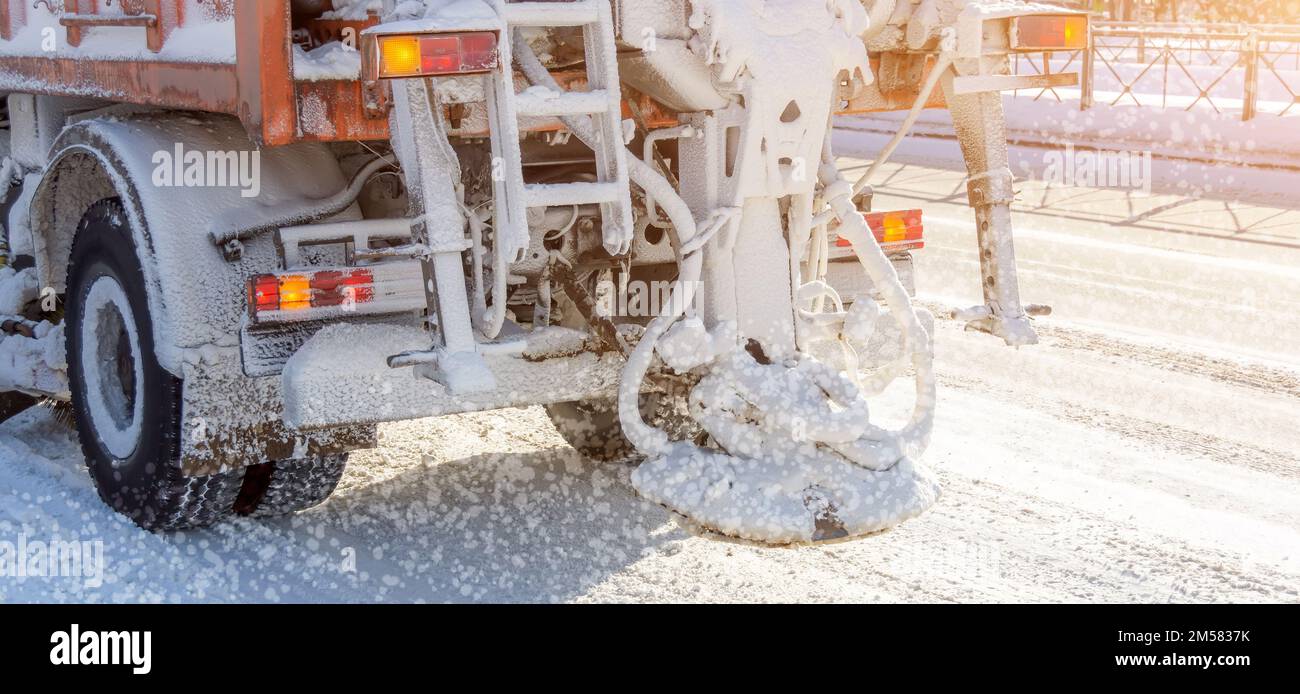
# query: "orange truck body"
[[257, 87]]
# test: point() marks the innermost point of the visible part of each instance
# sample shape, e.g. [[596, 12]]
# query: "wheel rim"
[[111, 366]]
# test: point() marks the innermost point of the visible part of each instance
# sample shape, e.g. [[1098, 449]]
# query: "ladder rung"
[[545, 102], [552, 14], [548, 194]]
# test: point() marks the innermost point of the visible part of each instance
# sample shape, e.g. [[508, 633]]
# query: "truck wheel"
[[592, 426], [287, 486], [126, 407]]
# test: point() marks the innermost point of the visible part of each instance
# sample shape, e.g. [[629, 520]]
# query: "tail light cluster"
[[395, 56], [330, 292], [1049, 32], [895, 231]]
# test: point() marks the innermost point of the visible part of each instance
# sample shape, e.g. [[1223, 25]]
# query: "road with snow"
[[1146, 450]]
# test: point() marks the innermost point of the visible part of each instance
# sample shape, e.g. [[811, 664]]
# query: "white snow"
[[779, 499], [34, 363], [801, 461], [37, 363], [17, 289], [442, 15], [494, 507], [319, 390], [353, 9], [332, 61]]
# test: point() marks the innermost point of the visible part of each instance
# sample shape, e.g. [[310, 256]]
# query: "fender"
[[196, 297]]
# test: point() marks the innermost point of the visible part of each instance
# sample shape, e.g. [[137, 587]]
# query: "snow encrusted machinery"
[[238, 236]]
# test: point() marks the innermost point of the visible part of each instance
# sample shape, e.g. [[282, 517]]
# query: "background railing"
[[1225, 67], [1189, 11]]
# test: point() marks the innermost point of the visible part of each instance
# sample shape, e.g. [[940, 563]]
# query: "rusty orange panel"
[[170, 15], [892, 101], [872, 100], [258, 88], [334, 111], [656, 115], [264, 59], [74, 32], [182, 85], [13, 16]]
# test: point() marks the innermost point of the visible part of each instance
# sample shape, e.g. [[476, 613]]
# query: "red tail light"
[[264, 293], [422, 55], [896, 231], [325, 293], [298, 291], [1049, 32], [338, 287]]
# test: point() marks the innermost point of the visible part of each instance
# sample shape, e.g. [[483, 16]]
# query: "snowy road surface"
[[1147, 450]]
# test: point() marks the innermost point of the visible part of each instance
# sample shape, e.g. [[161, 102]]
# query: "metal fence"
[[1199, 11], [1218, 65]]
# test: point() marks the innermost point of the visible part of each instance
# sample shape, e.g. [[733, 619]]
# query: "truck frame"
[[246, 220]]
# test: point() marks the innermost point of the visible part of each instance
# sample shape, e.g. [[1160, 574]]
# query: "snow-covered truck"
[[240, 235]]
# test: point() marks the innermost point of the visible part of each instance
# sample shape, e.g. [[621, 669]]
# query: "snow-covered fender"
[[158, 164]]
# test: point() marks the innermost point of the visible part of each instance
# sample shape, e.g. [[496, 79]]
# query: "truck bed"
[[238, 58], [217, 56]]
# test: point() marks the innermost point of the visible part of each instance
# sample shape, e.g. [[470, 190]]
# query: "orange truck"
[[240, 235]]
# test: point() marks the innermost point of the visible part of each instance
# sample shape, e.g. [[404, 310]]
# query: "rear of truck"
[[256, 231]]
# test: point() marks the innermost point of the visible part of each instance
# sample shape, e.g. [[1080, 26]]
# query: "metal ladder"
[[458, 361], [602, 101]]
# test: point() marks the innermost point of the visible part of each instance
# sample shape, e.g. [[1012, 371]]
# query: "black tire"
[[592, 427], [281, 487], [139, 473]]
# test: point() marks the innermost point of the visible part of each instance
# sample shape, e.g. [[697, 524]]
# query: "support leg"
[[981, 130]]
